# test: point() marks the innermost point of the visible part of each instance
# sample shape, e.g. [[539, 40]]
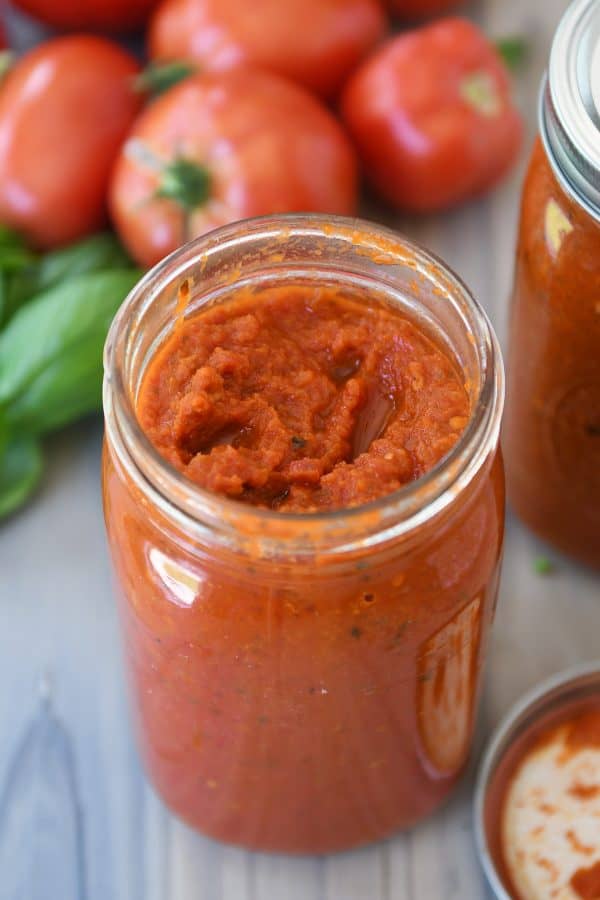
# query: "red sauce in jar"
[[542, 811], [311, 699], [552, 423], [302, 399]]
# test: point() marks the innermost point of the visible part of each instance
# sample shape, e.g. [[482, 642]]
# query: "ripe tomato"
[[217, 148], [421, 9], [104, 15], [65, 109], [314, 42], [432, 116]]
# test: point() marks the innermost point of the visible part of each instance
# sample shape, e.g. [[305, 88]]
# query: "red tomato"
[[421, 9], [315, 42], [65, 109], [105, 15], [432, 116], [217, 148]]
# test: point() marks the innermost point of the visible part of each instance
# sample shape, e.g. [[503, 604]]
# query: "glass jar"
[[304, 682], [552, 429]]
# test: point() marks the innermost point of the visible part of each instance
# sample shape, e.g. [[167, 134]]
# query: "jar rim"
[[201, 512]]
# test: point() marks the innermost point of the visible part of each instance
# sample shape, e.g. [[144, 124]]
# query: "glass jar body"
[[305, 707], [552, 423], [304, 683]]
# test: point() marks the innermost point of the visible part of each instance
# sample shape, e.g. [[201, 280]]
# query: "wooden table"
[[58, 622]]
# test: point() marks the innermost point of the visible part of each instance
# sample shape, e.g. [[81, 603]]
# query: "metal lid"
[[570, 104]]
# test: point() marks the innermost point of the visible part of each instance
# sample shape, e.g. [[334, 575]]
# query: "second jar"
[[304, 681], [552, 434]]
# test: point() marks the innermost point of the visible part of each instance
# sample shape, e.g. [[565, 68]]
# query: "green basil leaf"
[[9, 237], [14, 258], [63, 392], [93, 254], [50, 328], [21, 465], [3, 291], [14, 253], [4, 432]]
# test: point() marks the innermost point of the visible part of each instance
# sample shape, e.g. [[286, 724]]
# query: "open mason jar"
[[304, 682]]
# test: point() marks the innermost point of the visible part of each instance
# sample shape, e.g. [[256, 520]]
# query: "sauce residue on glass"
[[302, 398], [543, 808]]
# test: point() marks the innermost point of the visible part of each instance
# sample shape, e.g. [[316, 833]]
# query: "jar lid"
[[539, 712], [570, 103]]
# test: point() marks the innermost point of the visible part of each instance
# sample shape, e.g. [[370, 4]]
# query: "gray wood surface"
[[59, 636]]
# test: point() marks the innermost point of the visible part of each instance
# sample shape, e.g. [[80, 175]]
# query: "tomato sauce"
[[552, 427], [303, 683], [543, 805], [302, 399]]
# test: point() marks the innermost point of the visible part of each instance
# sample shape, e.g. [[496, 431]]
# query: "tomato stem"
[[158, 78], [186, 183], [513, 50]]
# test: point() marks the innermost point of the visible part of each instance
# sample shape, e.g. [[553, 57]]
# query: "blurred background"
[[70, 774]]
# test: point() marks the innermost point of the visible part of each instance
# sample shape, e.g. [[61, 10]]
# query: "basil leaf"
[[10, 238], [14, 259], [14, 253], [49, 330], [3, 433], [93, 254], [21, 465], [63, 392], [3, 292]]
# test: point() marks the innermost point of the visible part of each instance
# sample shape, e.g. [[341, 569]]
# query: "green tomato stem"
[[186, 183], [156, 78], [183, 181], [513, 50]]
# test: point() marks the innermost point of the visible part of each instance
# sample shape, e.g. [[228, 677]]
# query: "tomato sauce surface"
[[302, 399]]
